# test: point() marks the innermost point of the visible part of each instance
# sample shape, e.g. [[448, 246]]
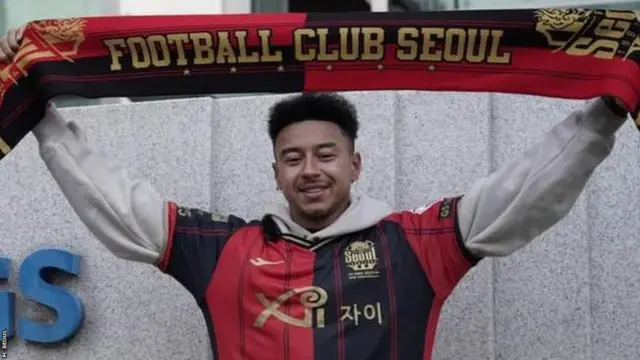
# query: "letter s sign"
[[68, 307]]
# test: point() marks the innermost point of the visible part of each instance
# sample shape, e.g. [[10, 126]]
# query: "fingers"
[[5, 50], [10, 44], [12, 40], [20, 33]]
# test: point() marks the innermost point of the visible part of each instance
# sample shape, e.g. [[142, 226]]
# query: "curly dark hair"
[[329, 107]]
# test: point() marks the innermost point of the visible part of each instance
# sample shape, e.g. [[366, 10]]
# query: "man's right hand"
[[10, 44]]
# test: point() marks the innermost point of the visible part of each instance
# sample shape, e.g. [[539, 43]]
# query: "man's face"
[[315, 166]]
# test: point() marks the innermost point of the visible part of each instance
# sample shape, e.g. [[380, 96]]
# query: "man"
[[327, 275]]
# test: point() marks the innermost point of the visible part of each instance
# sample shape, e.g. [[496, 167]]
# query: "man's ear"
[[274, 167], [356, 167]]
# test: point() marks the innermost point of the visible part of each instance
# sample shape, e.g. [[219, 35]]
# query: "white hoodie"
[[499, 214]]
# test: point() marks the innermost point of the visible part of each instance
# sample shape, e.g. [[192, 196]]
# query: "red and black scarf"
[[562, 53]]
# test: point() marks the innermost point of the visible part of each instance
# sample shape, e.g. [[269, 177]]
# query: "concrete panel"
[[541, 291], [442, 148], [615, 248], [243, 182], [130, 309]]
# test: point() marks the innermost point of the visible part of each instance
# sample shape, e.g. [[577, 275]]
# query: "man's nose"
[[310, 167]]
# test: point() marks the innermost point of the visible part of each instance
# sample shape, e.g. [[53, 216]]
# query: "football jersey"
[[371, 295]]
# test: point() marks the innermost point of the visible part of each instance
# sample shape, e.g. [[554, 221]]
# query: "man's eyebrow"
[[293, 149], [290, 149], [326, 145]]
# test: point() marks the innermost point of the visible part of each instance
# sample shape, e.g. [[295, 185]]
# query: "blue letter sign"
[[68, 307]]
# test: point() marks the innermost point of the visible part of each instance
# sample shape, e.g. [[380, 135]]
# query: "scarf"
[[562, 53]]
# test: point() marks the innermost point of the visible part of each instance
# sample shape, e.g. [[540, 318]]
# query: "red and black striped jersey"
[[375, 294]]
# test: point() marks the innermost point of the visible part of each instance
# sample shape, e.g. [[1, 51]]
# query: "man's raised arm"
[[532, 192], [127, 216]]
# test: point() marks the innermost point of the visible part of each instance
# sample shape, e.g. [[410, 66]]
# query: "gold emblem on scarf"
[[45, 39], [560, 26], [361, 257], [603, 34]]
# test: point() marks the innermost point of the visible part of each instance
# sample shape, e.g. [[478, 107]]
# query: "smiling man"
[[327, 275], [324, 128]]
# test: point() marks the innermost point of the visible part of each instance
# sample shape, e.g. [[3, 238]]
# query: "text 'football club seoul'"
[[428, 44]]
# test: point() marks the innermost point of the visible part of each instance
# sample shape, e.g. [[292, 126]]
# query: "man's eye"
[[326, 156]]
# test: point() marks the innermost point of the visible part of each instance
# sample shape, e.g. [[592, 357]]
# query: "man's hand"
[[10, 44]]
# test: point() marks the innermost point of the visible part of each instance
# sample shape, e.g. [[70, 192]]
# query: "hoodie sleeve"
[[126, 215], [504, 211]]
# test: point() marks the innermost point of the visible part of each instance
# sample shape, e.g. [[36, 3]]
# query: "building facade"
[[15, 13]]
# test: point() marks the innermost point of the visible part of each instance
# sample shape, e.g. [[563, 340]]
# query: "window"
[[261, 6], [328, 5], [514, 4], [427, 5], [269, 6], [423, 5]]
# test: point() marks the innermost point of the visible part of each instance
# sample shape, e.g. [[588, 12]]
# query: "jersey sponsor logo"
[[313, 299], [361, 258], [262, 262], [356, 313]]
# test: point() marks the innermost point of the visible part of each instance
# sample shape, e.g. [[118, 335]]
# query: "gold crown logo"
[[361, 256]]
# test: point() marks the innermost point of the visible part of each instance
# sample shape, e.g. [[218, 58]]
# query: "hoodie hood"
[[363, 213]]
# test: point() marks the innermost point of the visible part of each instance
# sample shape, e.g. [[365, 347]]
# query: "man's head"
[[313, 136]]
